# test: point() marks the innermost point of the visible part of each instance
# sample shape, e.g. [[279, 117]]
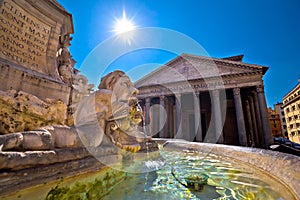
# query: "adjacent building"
[[291, 106], [275, 123], [205, 99], [279, 110]]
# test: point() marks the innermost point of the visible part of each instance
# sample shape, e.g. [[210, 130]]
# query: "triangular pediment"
[[191, 67]]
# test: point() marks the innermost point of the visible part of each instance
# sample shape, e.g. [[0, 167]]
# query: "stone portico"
[[207, 100]]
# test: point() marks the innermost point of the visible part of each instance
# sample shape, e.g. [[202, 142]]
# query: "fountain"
[[110, 117], [201, 171], [139, 167]]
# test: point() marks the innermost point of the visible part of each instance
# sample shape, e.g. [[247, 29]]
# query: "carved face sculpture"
[[120, 85], [124, 90], [117, 112]]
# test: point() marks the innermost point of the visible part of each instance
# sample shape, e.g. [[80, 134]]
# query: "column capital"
[[162, 97], [260, 89], [215, 92], [236, 91], [178, 97], [250, 98], [254, 94], [148, 100], [197, 93]]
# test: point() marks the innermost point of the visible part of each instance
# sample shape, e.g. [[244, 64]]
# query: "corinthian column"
[[217, 116], [197, 110], [258, 121], [240, 117], [253, 121], [248, 111], [162, 116], [171, 118], [178, 115], [147, 114], [264, 116]]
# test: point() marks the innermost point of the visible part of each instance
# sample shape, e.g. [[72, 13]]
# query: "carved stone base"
[[21, 111], [39, 85]]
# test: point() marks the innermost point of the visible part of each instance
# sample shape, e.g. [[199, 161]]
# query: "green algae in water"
[[85, 190]]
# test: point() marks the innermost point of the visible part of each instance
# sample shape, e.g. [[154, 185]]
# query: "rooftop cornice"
[[292, 91], [291, 101], [57, 6], [225, 62], [63, 10]]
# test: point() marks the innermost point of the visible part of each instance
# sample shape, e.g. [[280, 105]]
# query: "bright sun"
[[123, 25]]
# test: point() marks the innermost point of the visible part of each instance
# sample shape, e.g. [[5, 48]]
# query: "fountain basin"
[[269, 172]]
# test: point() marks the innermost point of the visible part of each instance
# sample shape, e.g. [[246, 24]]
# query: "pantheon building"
[[205, 99]]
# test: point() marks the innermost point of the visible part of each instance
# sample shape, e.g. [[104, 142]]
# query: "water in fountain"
[[147, 147], [149, 164], [196, 175], [187, 174]]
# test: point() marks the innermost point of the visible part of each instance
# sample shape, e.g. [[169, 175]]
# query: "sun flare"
[[123, 25]]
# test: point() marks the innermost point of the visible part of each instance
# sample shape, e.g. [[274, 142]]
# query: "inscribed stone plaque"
[[29, 41], [23, 37]]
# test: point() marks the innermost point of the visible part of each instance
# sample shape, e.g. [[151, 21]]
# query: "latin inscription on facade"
[[188, 87], [24, 38]]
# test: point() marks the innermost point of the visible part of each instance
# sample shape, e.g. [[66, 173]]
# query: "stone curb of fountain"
[[14, 181], [27, 159]]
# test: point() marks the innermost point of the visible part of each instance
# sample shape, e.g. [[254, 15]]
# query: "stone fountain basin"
[[283, 167]]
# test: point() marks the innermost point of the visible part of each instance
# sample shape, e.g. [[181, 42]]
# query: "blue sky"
[[267, 32]]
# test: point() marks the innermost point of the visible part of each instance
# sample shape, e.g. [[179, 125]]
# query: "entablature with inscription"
[[202, 85]]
